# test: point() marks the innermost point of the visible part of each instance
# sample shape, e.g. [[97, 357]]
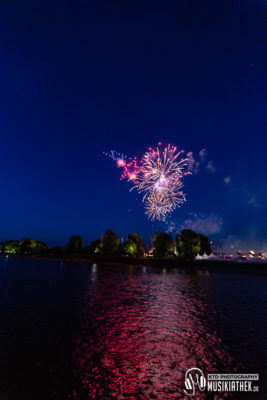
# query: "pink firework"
[[158, 176]]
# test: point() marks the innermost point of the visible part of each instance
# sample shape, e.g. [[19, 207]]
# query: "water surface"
[[91, 331]]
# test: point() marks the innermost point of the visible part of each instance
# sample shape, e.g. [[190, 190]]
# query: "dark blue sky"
[[82, 77]]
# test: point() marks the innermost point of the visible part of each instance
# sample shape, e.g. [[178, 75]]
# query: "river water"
[[89, 331]]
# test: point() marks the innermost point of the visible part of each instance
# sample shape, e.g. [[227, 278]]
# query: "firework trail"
[[157, 176], [115, 155]]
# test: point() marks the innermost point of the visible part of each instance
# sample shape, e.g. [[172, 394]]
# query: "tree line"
[[23, 247], [185, 246]]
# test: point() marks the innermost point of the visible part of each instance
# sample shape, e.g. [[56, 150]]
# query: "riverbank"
[[218, 265], [169, 263]]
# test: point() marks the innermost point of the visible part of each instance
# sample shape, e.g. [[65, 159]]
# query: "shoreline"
[[170, 264], [211, 265]]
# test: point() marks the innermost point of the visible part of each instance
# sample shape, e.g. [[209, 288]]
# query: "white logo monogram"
[[194, 377]]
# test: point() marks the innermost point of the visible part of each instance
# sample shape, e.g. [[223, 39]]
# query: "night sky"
[[79, 78]]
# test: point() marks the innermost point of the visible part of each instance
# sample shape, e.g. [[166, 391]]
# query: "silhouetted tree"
[[25, 246], [204, 245], [162, 243], [41, 247], [133, 245], [10, 246], [95, 247], [109, 243], [75, 244], [30, 246], [188, 244]]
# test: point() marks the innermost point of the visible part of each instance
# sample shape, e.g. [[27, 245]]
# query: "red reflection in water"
[[142, 336]]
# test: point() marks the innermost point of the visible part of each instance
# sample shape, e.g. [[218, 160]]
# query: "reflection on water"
[[148, 330], [78, 331]]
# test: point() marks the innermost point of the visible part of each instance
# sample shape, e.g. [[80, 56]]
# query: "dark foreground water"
[[79, 331]]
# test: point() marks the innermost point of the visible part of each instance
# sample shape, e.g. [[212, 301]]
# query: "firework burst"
[[158, 177], [157, 207]]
